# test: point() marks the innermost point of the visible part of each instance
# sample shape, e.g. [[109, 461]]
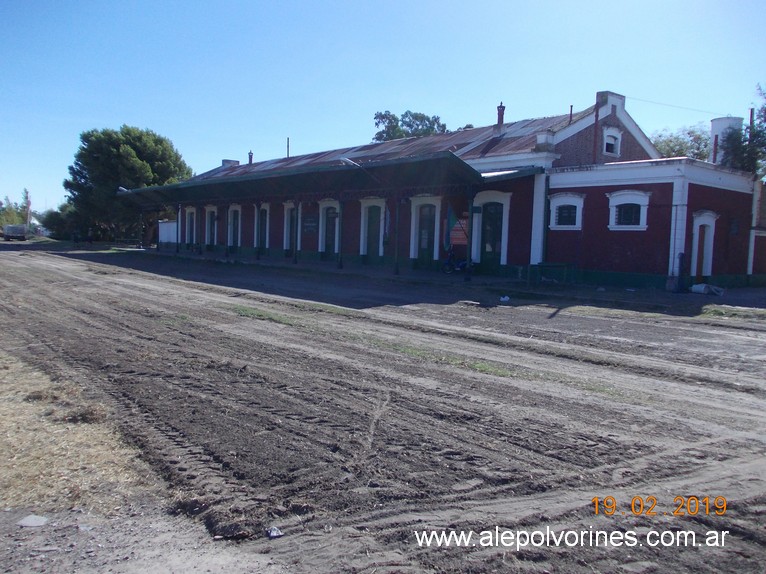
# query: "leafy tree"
[[690, 141], [14, 213], [108, 159], [746, 149], [411, 124], [62, 222]]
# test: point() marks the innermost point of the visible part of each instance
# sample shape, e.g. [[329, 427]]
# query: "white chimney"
[[718, 129]]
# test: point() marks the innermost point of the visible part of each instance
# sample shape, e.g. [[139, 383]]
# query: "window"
[[566, 215], [628, 210], [628, 214], [566, 211], [612, 140]]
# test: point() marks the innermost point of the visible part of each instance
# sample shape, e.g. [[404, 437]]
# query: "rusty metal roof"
[[416, 162], [510, 138]]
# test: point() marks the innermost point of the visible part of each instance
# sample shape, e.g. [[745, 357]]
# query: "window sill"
[[565, 227], [627, 228]]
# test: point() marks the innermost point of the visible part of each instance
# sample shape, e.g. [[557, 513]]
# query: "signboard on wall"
[[310, 224]]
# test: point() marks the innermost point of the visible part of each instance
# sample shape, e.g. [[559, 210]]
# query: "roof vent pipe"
[[250, 157]]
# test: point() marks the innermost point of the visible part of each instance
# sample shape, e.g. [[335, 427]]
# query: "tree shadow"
[[367, 286]]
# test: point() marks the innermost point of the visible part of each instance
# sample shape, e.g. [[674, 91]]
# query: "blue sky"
[[222, 78]]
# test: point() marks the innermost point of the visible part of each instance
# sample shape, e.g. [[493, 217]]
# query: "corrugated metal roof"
[[440, 157], [476, 143]]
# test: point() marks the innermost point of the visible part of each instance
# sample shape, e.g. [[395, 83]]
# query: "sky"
[[221, 78]]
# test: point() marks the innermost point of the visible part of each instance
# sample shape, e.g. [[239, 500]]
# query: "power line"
[[679, 107]]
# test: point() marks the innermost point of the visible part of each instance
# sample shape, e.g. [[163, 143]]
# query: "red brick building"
[[581, 194]]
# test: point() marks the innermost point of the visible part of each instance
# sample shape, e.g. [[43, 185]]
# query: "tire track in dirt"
[[354, 428]]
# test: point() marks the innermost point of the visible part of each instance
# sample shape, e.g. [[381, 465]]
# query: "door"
[[211, 216], [330, 231], [234, 238], [491, 235], [263, 220], [373, 232], [290, 224], [426, 225]]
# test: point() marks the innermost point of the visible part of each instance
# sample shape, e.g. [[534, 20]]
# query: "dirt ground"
[[350, 411]]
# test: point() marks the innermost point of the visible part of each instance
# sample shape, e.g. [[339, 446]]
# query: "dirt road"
[[351, 412]]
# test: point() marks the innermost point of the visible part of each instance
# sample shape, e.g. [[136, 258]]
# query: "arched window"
[[612, 141], [628, 210]]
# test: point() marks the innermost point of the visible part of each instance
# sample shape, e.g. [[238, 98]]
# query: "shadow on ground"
[[360, 287]]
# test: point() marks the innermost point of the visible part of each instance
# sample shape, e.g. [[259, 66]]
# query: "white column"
[[678, 216], [537, 238]]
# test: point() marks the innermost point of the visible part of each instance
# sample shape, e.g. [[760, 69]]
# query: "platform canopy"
[[342, 178]]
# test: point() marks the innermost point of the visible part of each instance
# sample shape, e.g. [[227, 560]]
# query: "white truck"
[[15, 232]]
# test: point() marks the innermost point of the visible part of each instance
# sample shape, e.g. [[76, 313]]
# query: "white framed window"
[[234, 226], [191, 228], [364, 229], [703, 242], [612, 141], [566, 211], [628, 210], [211, 225], [261, 225], [328, 223]]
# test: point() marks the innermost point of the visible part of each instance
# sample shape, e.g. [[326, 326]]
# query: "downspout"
[[340, 234], [757, 198], [469, 255], [595, 134], [398, 200], [178, 230]]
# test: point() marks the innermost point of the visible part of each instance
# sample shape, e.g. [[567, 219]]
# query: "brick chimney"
[[250, 157], [500, 114]]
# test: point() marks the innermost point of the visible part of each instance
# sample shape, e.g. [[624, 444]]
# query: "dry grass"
[[59, 450]]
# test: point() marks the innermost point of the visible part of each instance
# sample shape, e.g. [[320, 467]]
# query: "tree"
[[14, 213], [108, 159], [690, 141], [746, 149], [62, 222], [411, 124]]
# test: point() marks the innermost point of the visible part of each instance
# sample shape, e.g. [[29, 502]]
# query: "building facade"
[[576, 196]]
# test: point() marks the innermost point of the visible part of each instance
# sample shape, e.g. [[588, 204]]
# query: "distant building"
[[580, 195]]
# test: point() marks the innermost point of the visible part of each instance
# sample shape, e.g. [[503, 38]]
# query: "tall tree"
[[108, 159], [411, 124], [690, 141], [746, 149]]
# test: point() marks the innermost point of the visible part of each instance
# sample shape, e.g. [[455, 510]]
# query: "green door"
[[426, 221], [373, 233], [330, 227], [491, 236]]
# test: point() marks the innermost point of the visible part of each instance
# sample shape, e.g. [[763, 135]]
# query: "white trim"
[[415, 204], [482, 198], [288, 205], [652, 171], [612, 132], [755, 220], [230, 228], [257, 224], [566, 198], [208, 231], [324, 204], [677, 238], [367, 203], [703, 217], [537, 237], [617, 198], [508, 162]]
